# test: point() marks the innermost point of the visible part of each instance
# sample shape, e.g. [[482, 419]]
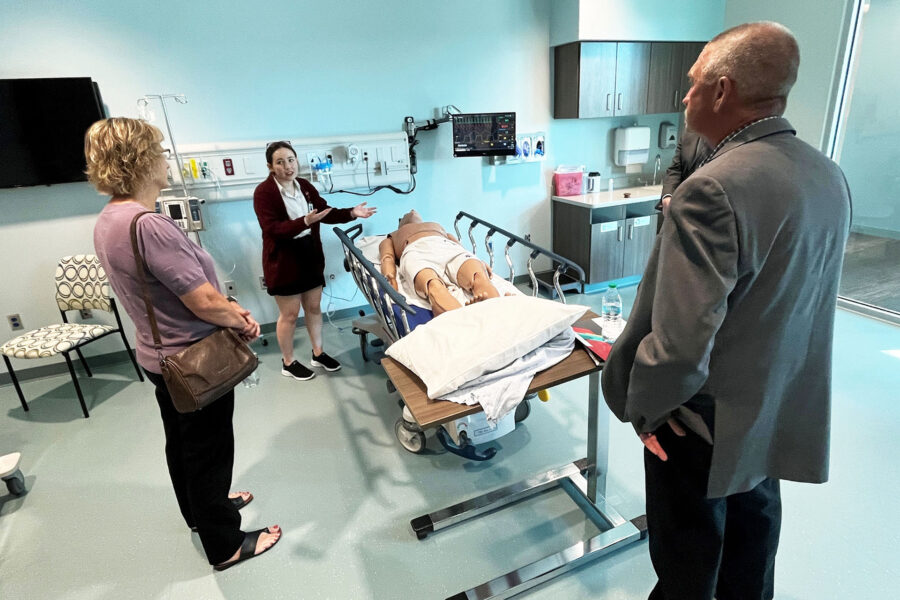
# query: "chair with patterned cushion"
[[81, 283]]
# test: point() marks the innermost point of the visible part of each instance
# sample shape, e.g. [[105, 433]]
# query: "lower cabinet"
[[608, 243]]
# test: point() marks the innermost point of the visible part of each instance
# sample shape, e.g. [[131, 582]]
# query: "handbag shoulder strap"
[[142, 278]]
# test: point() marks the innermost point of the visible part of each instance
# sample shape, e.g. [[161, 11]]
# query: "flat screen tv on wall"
[[42, 126]]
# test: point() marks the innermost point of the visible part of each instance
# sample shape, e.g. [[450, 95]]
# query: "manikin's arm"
[[388, 261]]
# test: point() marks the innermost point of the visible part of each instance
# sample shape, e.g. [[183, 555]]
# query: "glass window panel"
[[869, 154]]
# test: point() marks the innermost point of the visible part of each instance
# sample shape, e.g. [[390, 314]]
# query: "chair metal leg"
[[84, 363], [77, 387], [15, 380], [131, 356]]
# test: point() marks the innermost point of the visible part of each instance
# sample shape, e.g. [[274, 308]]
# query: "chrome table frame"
[[585, 483]]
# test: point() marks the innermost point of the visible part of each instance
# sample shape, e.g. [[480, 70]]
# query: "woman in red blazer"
[[289, 210]]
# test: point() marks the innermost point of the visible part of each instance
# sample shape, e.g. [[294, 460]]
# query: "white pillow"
[[460, 345]]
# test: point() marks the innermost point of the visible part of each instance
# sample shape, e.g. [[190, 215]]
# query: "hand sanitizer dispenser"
[[632, 146], [668, 135]]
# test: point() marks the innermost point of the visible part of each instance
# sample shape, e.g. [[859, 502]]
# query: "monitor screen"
[[484, 134], [43, 126]]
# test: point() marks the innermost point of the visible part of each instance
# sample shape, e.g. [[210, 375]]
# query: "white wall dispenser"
[[632, 146]]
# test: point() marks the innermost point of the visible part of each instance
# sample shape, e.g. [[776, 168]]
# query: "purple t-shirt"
[[177, 266]]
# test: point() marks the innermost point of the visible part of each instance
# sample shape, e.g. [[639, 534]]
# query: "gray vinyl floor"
[[872, 271], [100, 520]]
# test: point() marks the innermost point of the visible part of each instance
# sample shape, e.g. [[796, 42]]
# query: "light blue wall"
[[870, 153], [283, 68], [818, 25]]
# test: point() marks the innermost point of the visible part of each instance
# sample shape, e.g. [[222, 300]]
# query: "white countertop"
[[618, 198]]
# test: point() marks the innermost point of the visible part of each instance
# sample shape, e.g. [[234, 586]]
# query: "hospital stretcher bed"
[[458, 429], [583, 480]]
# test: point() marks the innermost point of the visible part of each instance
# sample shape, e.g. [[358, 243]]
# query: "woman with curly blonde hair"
[[126, 161]]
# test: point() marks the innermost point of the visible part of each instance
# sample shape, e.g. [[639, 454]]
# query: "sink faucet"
[[656, 167]]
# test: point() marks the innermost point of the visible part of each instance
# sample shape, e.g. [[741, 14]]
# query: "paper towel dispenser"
[[632, 146]]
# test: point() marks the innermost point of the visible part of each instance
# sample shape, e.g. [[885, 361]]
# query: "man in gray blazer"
[[724, 367], [690, 152]]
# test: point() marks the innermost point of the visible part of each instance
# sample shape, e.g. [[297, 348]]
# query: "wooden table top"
[[430, 413]]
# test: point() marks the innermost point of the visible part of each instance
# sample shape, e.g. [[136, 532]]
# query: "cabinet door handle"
[[619, 233], [607, 102], [619, 102], [675, 99], [630, 231]]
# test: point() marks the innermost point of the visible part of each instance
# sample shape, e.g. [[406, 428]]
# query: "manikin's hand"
[[392, 279], [652, 444], [316, 215], [361, 211]]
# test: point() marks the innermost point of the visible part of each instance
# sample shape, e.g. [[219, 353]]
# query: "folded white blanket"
[[501, 391]]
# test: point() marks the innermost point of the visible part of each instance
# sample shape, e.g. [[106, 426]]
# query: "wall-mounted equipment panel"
[[231, 170]]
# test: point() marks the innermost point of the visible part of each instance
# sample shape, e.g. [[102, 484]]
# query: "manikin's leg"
[[473, 277], [288, 311], [312, 314], [430, 286]]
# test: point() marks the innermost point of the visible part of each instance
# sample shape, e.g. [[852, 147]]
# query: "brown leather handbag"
[[204, 371]]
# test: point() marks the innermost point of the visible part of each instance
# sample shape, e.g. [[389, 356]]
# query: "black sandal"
[[248, 549], [239, 502]]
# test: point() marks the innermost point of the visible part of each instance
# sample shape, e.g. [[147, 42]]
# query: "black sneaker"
[[297, 371], [326, 362]]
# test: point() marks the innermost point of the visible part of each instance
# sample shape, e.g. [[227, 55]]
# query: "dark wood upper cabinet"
[[607, 79], [691, 51], [664, 89]]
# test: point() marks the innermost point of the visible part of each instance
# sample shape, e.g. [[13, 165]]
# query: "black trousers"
[[707, 547], [200, 455]]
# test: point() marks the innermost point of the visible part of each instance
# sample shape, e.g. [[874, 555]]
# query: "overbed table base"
[[585, 483]]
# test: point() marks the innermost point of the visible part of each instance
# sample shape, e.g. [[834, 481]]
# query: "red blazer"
[[281, 259]]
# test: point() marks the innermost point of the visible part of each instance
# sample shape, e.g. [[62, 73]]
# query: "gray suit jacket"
[[735, 311]]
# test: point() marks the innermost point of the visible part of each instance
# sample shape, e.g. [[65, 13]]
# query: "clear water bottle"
[[252, 380], [611, 313]]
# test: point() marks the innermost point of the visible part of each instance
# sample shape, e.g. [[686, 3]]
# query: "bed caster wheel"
[[411, 440], [523, 410], [15, 483], [391, 388]]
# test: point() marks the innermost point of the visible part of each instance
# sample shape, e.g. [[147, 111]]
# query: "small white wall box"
[[668, 135], [632, 145]]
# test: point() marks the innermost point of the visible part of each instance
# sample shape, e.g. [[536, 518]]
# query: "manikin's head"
[[410, 217]]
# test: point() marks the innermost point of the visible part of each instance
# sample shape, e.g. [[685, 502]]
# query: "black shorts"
[[308, 277], [305, 285]]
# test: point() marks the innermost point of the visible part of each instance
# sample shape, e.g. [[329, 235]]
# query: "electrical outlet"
[[527, 237], [230, 289], [262, 282], [15, 322], [86, 313]]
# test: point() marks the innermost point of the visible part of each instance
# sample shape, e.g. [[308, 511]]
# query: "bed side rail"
[[563, 266], [379, 293]]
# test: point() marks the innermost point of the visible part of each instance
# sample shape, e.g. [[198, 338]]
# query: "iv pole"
[[143, 102]]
